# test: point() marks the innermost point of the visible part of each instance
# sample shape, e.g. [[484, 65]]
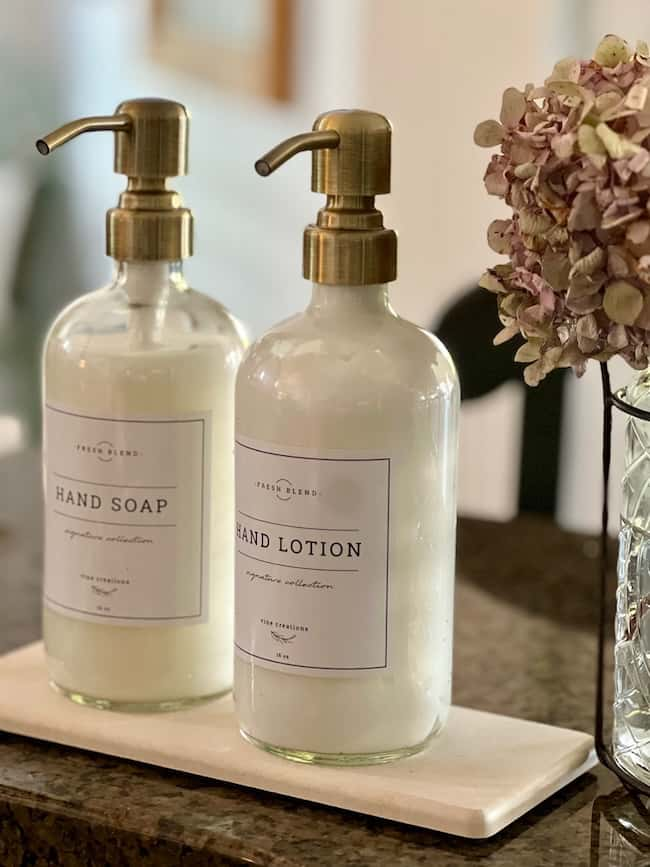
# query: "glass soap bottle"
[[346, 429], [138, 385]]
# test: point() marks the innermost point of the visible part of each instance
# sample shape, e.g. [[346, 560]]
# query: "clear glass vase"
[[631, 731]]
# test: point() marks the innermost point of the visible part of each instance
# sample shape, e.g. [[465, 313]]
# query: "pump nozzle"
[[111, 122], [150, 146], [306, 141], [348, 245]]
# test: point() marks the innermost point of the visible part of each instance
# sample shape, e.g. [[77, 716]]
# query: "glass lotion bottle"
[[138, 382], [346, 426]]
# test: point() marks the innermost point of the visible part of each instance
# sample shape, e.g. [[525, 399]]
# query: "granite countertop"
[[524, 646]]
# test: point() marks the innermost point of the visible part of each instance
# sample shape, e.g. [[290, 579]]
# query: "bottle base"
[[134, 706], [307, 757]]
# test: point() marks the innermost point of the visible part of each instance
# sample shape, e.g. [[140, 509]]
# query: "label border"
[[199, 617], [385, 666]]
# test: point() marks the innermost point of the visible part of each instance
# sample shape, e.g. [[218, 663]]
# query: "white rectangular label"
[[312, 574], [127, 523]]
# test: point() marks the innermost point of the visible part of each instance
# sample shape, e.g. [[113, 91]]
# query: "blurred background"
[[253, 72]]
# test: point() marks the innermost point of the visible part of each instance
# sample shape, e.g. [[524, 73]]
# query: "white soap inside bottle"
[[147, 346]]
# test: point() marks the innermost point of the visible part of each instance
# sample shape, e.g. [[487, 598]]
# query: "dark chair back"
[[467, 328]]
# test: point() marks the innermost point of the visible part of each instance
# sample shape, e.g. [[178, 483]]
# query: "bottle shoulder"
[[104, 319], [381, 351]]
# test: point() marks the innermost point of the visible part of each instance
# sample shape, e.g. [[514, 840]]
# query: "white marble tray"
[[480, 774]]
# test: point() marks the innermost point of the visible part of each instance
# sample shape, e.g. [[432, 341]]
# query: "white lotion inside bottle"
[[347, 380]]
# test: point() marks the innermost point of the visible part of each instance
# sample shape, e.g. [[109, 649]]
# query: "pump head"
[[151, 139], [349, 244]]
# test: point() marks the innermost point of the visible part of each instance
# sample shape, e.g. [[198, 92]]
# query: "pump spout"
[[111, 122], [306, 141]]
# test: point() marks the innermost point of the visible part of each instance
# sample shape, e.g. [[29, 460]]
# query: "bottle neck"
[[328, 299], [149, 283]]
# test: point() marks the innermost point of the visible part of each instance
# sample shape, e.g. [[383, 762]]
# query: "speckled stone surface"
[[525, 646]]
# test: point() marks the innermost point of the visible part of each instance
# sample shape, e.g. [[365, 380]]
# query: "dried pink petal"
[[533, 374], [617, 146], [547, 298], [497, 235], [491, 283], [618, 216], [563, 145], [567, 69], [617, 261], [506, 334], [581, 285], [533, 321], [611, 51], [622, 302], [509, 304], [607, 102], [605, 85], [581, 304], [555, 269], [643, 319], [589, 142], [599, 161], [643, 132], [636, 96], [526, 170], [617, 337], [534, 243], [626, 79], [557, 236], [589, 264], [538, 93], [587, 333], [623, 170], [530, 351], [520, 152], [496, 182], [643, 269], [551, 359], [531, 223], [639, 161], [566, 89], [584, 213], [638, 232], [571, 355], [513, 107], [489, 134], [520, 196]]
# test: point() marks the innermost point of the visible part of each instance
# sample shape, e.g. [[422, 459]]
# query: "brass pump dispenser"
[[349, 244], [151, 137]]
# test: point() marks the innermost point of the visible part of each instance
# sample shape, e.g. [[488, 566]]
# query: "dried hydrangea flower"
[[574, 166]]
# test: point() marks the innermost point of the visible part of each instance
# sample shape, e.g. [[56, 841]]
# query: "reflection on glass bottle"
[[631, 733]]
